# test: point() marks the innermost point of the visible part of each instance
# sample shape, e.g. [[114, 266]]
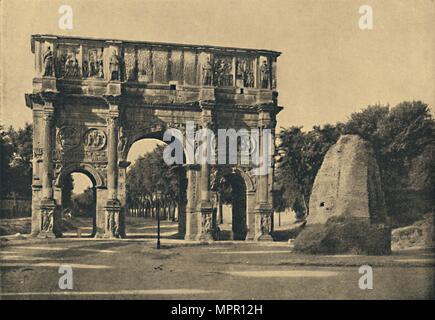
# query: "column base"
[[263, 222], [207, 230], [112, 223], [264, 237], [47, 235], [49, 226], [99, 235], [250, 236]]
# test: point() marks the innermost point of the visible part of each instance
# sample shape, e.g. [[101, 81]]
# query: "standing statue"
[[207, 71], [48, 63], [93, 67], [264, 75], [100, 72], [114, 66]]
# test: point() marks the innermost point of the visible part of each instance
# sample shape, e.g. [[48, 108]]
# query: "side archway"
[[141, 205], [87, 169], [99, 190]]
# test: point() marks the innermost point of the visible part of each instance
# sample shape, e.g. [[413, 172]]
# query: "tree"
[[398, 136], [21, 164], [16, 161], [67, 188], [149, 175], [84, 204], [6, 154]]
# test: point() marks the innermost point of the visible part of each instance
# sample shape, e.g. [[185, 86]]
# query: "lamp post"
[[157, 201]]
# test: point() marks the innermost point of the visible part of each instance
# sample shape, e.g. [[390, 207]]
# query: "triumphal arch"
[[93, 98]]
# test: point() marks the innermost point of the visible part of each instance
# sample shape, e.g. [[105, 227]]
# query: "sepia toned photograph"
[[233, 151]]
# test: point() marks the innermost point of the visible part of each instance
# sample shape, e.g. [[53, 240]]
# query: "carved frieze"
[[130, 64], [66, 63], [144, 65], [95, 156], [160, 66]]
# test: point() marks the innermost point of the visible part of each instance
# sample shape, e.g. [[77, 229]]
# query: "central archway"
[[152, 187]]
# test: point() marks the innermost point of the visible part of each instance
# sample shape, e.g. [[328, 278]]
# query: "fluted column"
[[207, 225], [48, 213], [47, 160], [113, 226], [191, 215], [263, 209], [205, 183], [112, 156]]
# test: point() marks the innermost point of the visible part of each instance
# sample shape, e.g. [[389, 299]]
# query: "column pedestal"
[[263, 223], [206, 230], [112, 223], [48, 216]]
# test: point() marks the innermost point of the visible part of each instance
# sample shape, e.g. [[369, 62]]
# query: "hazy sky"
[[328, 69]]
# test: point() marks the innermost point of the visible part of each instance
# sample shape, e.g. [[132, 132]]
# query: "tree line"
[[16, 153], [151, 182]]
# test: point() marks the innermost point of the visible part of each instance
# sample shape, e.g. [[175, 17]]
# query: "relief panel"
[[93, 62], [67, 64], [177, 66], [245, 72], [144, 65], [130, 64], [222, 70], [190, 68], [160, 66]]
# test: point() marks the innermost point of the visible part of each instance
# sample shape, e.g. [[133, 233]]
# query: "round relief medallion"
[[68, 137], [94, 139]]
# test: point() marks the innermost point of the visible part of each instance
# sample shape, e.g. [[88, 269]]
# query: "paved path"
[[134, 269]]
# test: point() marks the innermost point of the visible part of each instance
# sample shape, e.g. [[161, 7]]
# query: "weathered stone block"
[[347, 207], [340, 235]]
